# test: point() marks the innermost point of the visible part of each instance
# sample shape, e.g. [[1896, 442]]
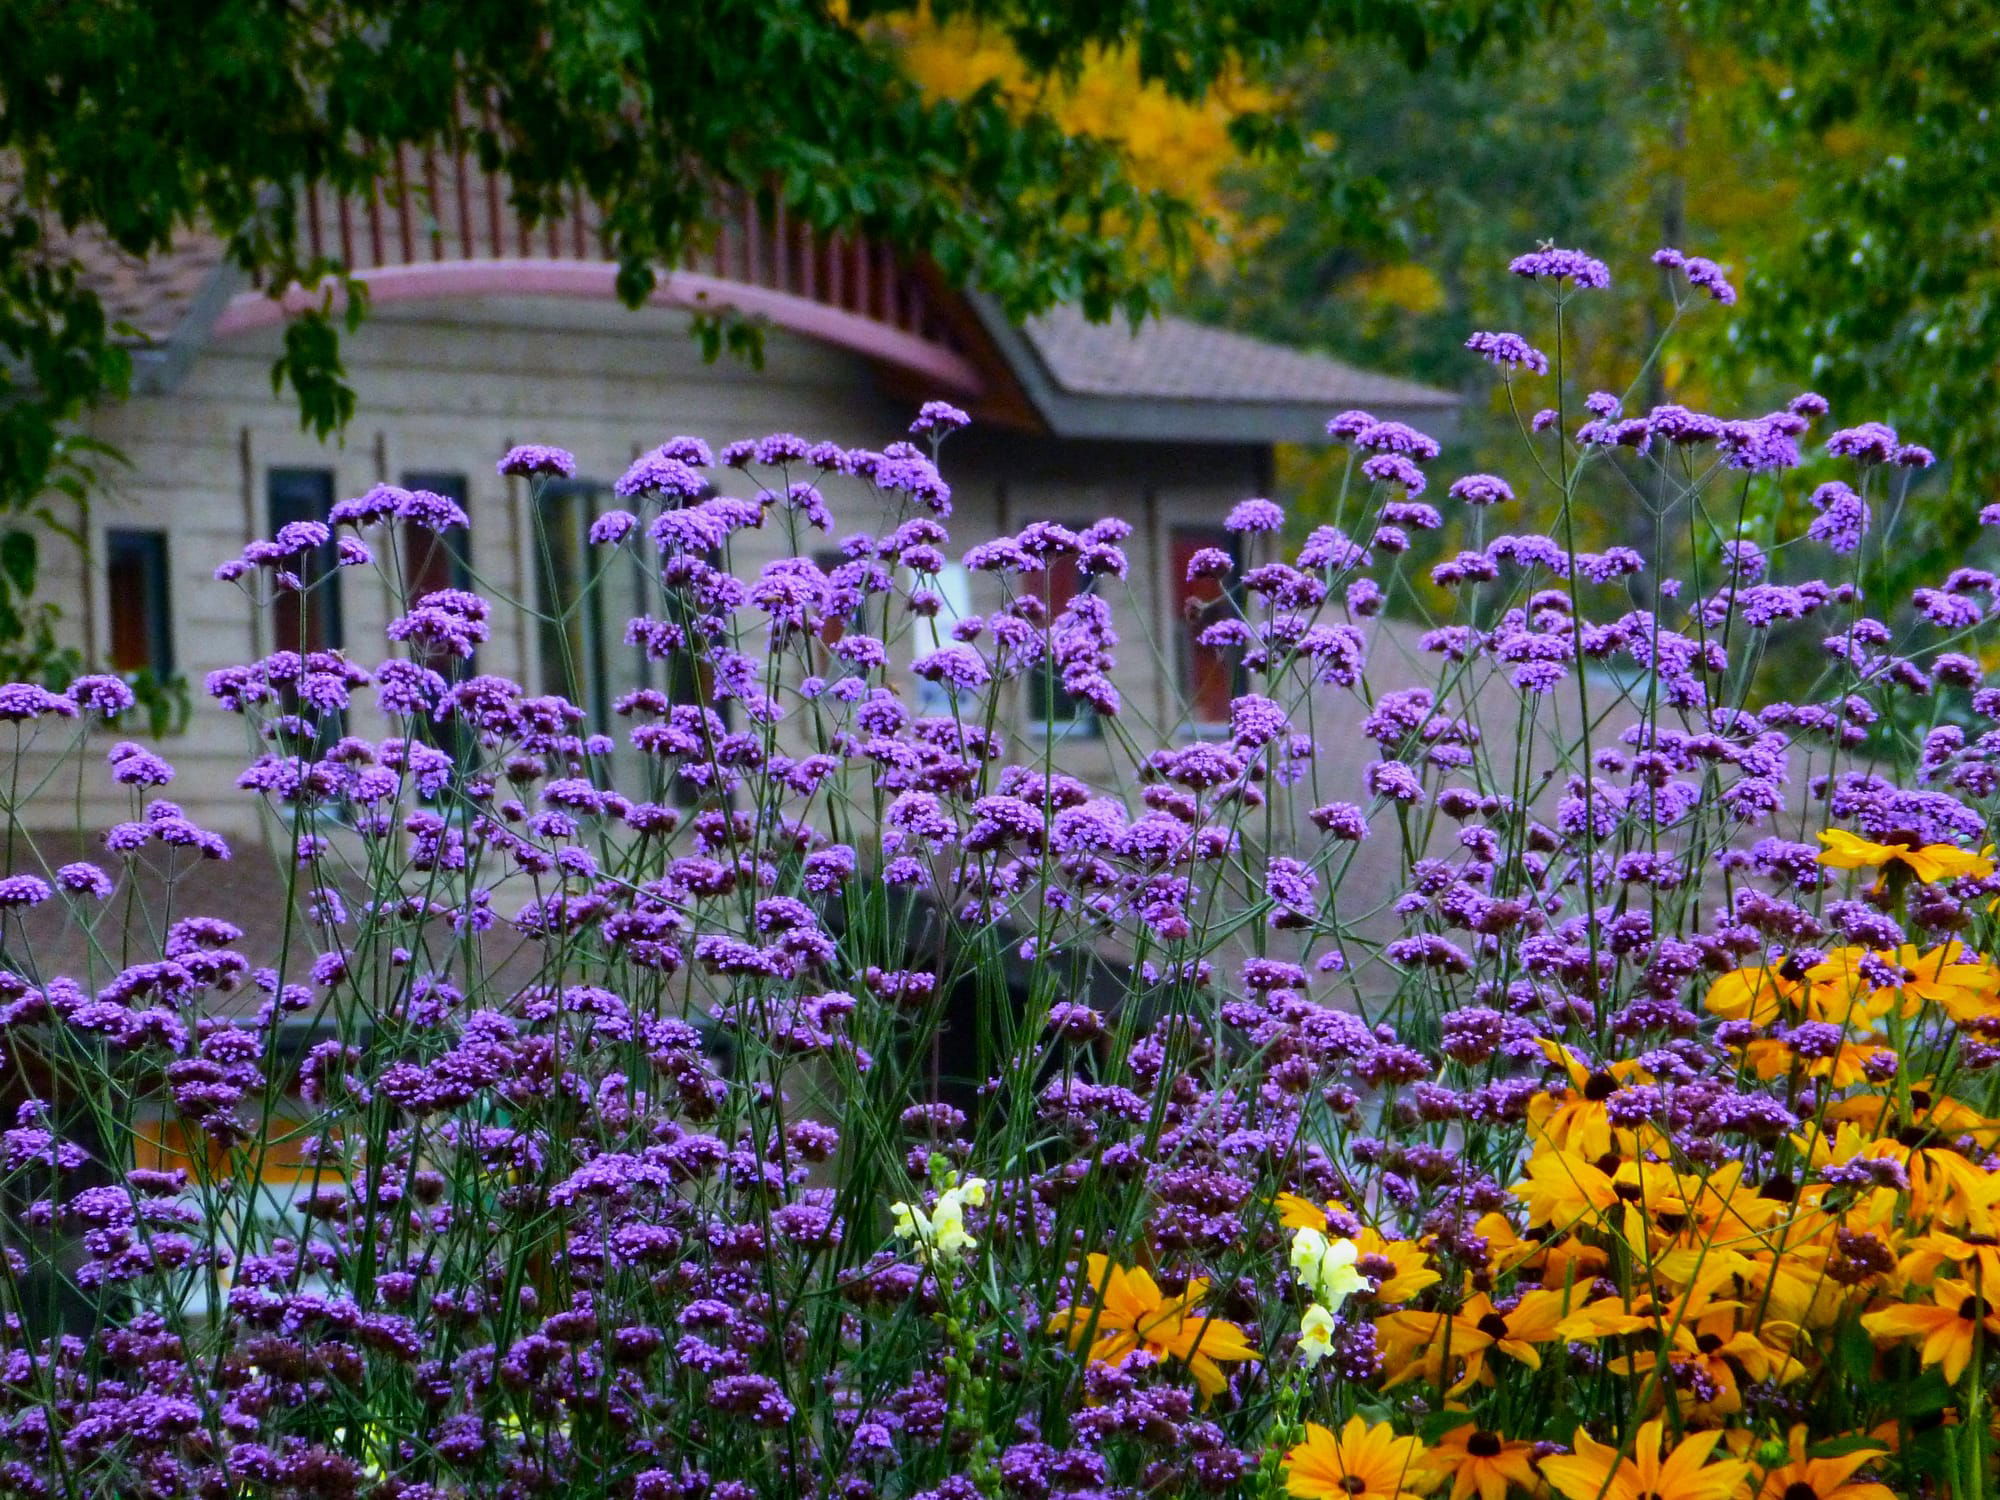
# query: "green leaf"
[[1854, 1352], [1932, 1451], [19, 559], [1911, 1400]]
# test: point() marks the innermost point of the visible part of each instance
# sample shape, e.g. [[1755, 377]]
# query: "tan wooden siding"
[[451, 388]]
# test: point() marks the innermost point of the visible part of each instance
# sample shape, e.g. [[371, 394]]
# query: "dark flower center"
[[1493, 1326], [1791, 969], [1599, 1087], [1972, 1309], [1354, 1484], [1708, 1343], [1780, 1189], [1798, 1489], [1483, 1444], [1907, 838]]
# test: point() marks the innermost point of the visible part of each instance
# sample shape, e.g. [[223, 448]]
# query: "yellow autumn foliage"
[[1171, 145], [1402, 286]]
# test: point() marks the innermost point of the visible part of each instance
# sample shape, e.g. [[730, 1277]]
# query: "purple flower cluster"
[[538, 458], [1702, 274], [721, 1090], [1551, 264], [1509, 351]]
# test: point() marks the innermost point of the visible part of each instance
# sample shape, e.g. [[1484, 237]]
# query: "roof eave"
[[159, 367], [1162, 419]]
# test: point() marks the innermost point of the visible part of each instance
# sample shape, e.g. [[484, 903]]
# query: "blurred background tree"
[[1387, 240], [135, 122], [1842, 163], [1844, 168], [1352, 176]]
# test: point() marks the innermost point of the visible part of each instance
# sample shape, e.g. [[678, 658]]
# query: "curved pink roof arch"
[[591, 280]]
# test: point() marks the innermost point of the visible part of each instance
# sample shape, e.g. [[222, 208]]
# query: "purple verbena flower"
[[538, 458], [1251, 516], [18, 891], [1869, 443], [1552, 264], [84, 879], [1509, 351], [612, 527], [101, 693], [1481, 489], [937, 418]]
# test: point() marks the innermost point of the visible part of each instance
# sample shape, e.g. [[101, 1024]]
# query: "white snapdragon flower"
[[1315, 1334], [942, 1232], [1327, 1267]]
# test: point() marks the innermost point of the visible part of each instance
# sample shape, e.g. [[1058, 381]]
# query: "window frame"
[[320, 572], [1182, 631], [456, 541], [585, 683], [1040, 689], [152, 548]]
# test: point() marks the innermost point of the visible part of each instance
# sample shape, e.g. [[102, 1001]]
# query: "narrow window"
[[953, 586], [308, 619], [1050, 710], [431, 561], [1206, 677], [574, 651], [434, 560], [141, 612], [830, 560]]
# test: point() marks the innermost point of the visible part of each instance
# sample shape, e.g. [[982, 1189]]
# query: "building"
[[482, 334]]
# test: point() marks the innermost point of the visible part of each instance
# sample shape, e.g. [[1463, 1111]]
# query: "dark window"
[[308, 620], [434, 560], [141, 612], [1206, 677], [431, 561], [574, 652], [688, 677], [1049, 708]]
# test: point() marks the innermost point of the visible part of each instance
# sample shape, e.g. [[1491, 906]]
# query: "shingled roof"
[[154, 296], [1177, 359], [167, 301], [1175, 379]]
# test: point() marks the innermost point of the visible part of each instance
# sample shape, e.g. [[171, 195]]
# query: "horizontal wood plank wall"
[[451, 387]]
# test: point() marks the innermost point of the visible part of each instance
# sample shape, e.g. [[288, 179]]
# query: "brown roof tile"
[[151, 295]]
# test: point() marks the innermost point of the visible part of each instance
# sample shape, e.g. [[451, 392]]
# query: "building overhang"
[[596, 281], [1162, 418]]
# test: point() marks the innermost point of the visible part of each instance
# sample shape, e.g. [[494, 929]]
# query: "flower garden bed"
[[584, 1134]]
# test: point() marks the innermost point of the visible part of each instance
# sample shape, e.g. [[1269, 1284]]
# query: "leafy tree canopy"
[[1842, 163], [140, 120]]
